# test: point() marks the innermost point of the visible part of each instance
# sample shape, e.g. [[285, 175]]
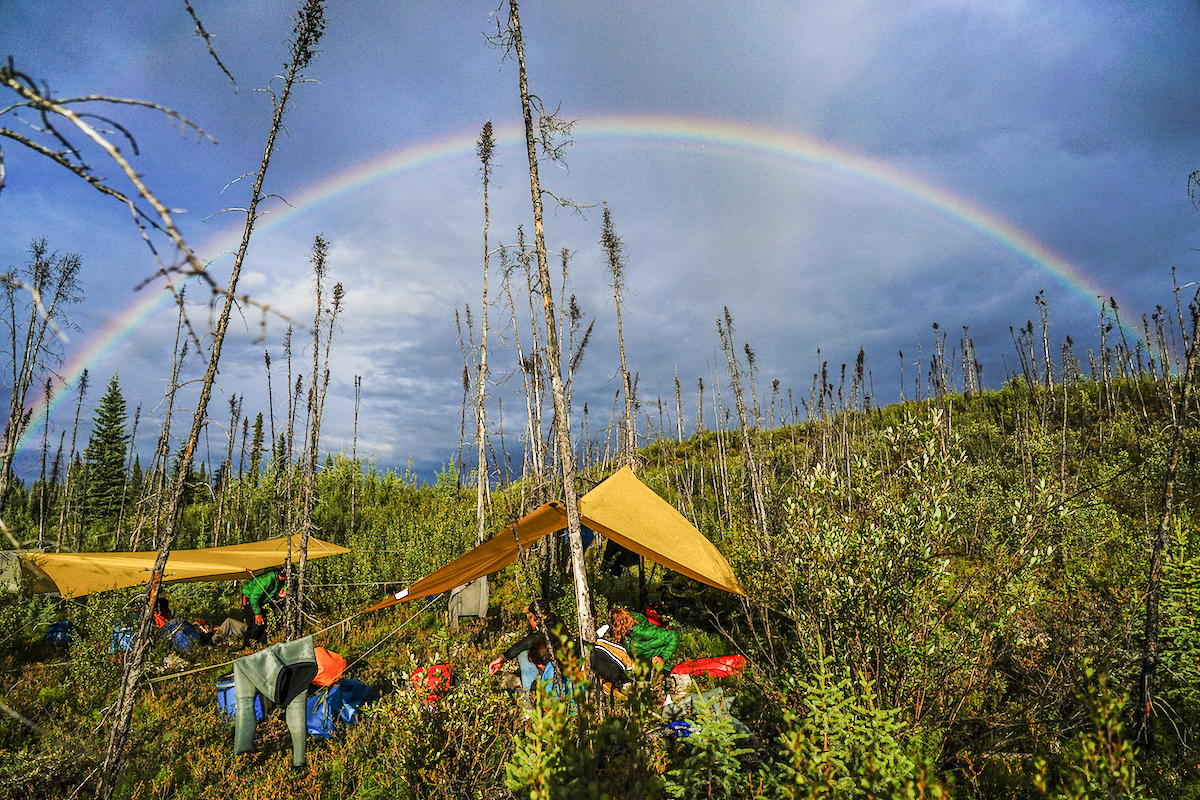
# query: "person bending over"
[[539, 655], [257, 595], [520, 651]]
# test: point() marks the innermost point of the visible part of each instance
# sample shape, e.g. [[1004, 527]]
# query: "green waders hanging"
[[280, 673]]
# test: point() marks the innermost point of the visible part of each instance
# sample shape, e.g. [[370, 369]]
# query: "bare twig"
[[208, 41]]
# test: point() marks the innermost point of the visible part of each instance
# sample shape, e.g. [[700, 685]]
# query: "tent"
[[622, 508], [78, 574]]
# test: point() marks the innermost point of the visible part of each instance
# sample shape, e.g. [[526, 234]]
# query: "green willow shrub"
[[1177, 707], [94, 667], [407, 747]]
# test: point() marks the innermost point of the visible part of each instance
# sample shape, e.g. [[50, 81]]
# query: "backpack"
[[182, 634], [59, 634], [432, 683], [714, 666], [122, 638], [227, 700], [337, 706]]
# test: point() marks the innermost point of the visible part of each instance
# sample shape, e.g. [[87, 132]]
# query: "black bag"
[[611, 663]]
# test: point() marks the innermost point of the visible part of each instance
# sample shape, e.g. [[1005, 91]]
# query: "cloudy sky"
[[840, 175]]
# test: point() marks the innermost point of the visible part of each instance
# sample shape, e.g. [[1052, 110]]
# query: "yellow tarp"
[[78, 574], [622, 508]]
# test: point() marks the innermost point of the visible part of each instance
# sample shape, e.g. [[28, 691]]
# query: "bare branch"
[[208, 41]]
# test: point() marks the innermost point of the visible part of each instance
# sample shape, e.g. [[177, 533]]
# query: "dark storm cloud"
[[1074, 122]]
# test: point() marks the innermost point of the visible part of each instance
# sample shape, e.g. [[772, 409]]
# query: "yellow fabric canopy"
[[622, 508], [78, 574]]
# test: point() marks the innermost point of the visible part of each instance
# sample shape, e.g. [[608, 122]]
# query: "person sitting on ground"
[[642, 639], [231, 630], [539, 656], [257, 595], [520, 650]]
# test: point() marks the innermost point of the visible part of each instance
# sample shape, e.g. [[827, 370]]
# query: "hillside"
[[945, 596]]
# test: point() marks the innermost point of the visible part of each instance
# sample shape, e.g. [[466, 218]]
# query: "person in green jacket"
[[642, 639], [257, 594]]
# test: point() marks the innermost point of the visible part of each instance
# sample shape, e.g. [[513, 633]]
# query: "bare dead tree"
[[47, 396], [36, 297], [614, 249], [583, 601], [506, 270], [678, 407], [310, 25], [1160, 550], [575, 314], [316, 395], [130, 454], [287, 476], [68, 486], [61, 123], [533, 367], [757, 489], [225, 474], [466, 344], [354, 472], [162, 454], [56, 471], [484, 148], [203, 34]]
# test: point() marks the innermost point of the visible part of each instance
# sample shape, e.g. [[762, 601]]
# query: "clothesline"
[[384, 638]]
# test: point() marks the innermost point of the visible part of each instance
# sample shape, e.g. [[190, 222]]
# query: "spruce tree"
[[256, 450], [136, 481], [105, 455]]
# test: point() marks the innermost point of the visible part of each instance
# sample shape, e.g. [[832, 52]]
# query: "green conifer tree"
[[256, 450], [136, 479], [105, 455], [189, 484]]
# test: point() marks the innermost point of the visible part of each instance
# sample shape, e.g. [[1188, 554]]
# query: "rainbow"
[[702, 136], [710, 137]]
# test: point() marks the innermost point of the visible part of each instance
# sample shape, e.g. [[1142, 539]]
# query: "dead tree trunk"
[[757, 490], [484, 149], [316, 401], [583, 600], [64, 517], [1161, 547], [310, 24], [52, 282], [615, 249]]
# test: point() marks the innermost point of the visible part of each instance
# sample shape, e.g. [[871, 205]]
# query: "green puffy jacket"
[[647, 640], [259, 591]]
